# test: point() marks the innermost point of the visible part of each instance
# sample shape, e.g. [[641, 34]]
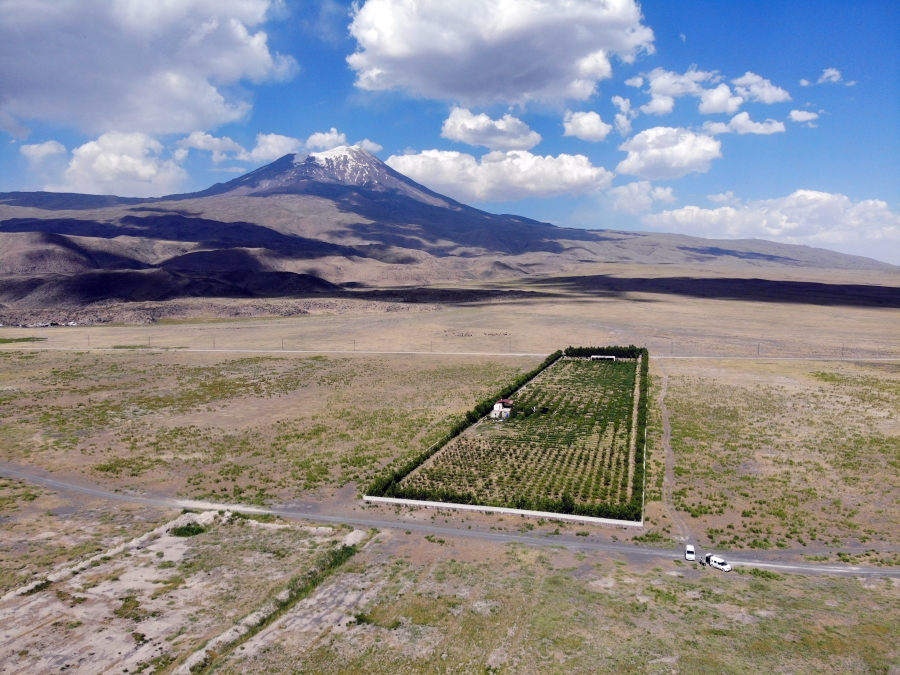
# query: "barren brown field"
[[791, 461]]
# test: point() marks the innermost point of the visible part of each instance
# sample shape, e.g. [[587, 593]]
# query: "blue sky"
[[771, 120]]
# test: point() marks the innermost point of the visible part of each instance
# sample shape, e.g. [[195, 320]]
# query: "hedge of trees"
[[629, 352], [388, 485]]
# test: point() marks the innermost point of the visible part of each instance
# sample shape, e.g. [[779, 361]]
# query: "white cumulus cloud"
[[719, 100], [624, 116], [507, 133], [370, 146], [125, 164], [803, 217], [754, 87], [832, 75], [667, 152], [724, 198], [638, 197], [199, 140], [486, 51], [268, 146], [502, 176], [39, 151], [585, 125], [803, 116], [272, 146], [664, 86], [132, 65], [659, 105], [742, 124], [325, 140]]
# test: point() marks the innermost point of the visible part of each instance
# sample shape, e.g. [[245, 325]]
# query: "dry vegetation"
[[455, 607], [149, 608], [788, 455], [41, 530], [808, 451], [228, 428]]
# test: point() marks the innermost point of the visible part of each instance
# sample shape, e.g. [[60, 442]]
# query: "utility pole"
[[282, 344], [842, 350], [757, 349], [214, 341], [354, 345]]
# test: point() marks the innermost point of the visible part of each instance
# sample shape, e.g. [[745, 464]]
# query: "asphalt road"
[[568, 540]]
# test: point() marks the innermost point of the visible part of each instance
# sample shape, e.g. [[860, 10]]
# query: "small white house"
[[502, 409], [598, 357]]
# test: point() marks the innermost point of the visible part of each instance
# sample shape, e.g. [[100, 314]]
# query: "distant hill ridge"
[[342, 215]]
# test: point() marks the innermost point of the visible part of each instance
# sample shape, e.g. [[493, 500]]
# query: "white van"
[[717, 562], [689, 553]]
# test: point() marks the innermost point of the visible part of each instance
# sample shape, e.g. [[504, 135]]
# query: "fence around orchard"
[[504, 511]]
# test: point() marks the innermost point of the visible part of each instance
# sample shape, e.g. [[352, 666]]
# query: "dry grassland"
[[417, 606], [42, 530], [785, 455], [149, 608], [767, 454], [231, 428]]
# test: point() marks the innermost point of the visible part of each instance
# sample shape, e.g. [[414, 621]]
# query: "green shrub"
[[189, 530]]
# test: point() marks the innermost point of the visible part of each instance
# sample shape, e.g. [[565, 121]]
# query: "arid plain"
[[774, 439]]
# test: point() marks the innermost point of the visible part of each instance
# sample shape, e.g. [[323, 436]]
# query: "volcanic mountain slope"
[[306, 222]]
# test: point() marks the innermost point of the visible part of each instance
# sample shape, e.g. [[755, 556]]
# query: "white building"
[[502, 409]]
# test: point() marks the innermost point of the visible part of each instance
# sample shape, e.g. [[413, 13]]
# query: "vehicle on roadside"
[[717, 562], [689, 553]]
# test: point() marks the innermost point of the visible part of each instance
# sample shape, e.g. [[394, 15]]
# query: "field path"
[[669, 480]]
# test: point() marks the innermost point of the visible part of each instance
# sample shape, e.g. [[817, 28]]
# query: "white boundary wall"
[[504, 511]]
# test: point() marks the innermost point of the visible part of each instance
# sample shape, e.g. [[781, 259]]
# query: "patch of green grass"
[[133, 466], [655, 538], [7, 341], [168, 586], [131, 609]]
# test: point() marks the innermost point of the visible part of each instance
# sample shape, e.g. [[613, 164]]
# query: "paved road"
[[310, 512]]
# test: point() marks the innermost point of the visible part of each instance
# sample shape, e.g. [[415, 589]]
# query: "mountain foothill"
[[343, 223]]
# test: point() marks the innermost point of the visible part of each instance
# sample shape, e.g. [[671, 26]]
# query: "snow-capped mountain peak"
[[348, 165]]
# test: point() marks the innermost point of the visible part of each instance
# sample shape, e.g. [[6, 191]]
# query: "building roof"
[[505, 401]]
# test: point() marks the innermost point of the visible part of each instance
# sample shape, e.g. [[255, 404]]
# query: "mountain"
[[305, 223]]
